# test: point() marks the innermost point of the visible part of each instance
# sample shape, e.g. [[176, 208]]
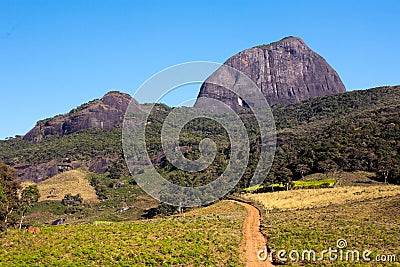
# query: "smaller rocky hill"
[[106, 113]]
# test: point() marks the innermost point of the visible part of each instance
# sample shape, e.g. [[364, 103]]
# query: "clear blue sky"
[[57, 54]]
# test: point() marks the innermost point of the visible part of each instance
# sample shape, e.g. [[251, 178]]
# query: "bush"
[[70, 200]]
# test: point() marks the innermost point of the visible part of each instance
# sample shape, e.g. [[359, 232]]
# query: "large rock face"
[[105, 113], [286, 72], [43, 171]]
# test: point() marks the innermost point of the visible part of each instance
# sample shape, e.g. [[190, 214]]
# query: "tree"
[[385, 166], [284, 175], [302, 169], [116, 170], [328, 166], [71, 200], [162, 209], [9, 191], [29, 196], [271, 178], [73, 203]]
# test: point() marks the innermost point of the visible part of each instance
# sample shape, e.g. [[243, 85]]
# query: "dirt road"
[[254, 240]]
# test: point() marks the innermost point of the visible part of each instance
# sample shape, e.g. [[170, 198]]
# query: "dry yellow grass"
[[70, 182], [310, 198]]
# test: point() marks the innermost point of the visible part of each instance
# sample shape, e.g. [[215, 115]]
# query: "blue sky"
[[55, 55]]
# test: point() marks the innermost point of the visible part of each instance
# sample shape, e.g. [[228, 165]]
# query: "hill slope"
[[354, 131], [71, 182], [357, 130]]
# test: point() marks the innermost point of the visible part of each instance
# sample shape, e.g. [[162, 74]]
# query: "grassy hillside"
[[71, 182], [101, 199], [366, 217], [207, 237]]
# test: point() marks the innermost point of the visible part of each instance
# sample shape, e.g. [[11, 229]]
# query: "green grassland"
[[205, 237], [300, 184]]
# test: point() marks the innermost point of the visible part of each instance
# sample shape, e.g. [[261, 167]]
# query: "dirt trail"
[[254, 240]]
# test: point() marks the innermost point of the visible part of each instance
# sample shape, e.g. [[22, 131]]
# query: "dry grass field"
[[70, 182], [311, 198], [367, 217]]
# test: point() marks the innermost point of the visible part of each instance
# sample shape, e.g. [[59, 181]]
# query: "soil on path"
[[254, 240]]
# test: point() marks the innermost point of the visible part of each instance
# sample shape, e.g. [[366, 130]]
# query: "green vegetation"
[[253, 189], [346, 133], [101, 201], [14, 202], [310, 184], [83, 145], [355, 131], [206, 237], [9, 202], [29, 196], [320, 183]]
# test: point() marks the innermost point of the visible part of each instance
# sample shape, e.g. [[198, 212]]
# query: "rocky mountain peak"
[[117, 100], [287, 41], [105, 113], [286, 72]]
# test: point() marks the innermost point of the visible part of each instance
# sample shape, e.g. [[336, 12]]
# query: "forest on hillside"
[[357, 130]]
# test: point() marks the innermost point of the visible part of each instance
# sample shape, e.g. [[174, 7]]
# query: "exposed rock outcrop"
[[100, 165], [43, 171], [286, 72], [105, 113]]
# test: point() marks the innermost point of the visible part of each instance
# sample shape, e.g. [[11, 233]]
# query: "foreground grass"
[[366, 217], [208, 237], [372, 225]]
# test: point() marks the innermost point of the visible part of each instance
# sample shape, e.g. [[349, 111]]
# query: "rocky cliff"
[[286, 72], [105, 113]]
